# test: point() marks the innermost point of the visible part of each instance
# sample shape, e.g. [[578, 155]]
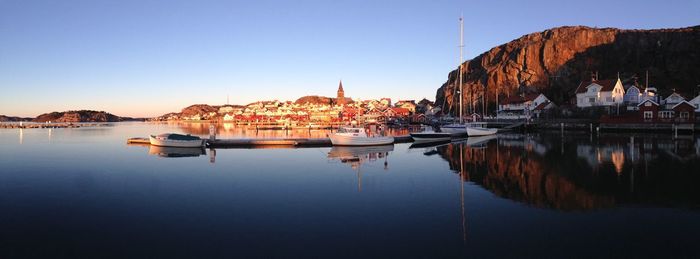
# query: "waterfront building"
[[651, 111], [672, 100], [522, 104], [407, 104], [599, 93], [648, 110], [696, 102], [632, 95]]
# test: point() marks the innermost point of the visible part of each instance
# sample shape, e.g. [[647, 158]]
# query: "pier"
[[259, 142]]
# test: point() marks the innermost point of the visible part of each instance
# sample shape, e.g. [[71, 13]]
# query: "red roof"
[[608, 85], [400, 110], [541, 106]]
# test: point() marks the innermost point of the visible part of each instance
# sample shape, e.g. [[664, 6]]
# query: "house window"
[[648, 115], [591, 100], [609, 99], [647, 104], [666, 114], [685, 115]]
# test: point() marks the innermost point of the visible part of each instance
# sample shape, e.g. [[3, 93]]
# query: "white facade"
[[596, 94], [696, 102], [672, 100]]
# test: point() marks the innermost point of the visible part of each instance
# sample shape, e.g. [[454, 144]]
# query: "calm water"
[[84, 192]]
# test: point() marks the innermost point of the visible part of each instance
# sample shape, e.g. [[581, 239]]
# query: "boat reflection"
[[582, 173], [355, 156], [175, 151]]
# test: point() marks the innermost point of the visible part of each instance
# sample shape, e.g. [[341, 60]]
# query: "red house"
[[648, 110], [684, 112]]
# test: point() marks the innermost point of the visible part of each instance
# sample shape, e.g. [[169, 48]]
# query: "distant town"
[[608, 100]]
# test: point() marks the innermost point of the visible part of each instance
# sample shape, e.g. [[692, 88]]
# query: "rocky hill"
[[555, 61], [12, 118], [315, 99], [80, 116]]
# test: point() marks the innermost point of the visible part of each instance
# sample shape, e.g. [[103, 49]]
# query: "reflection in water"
[[176, 151], [229, 130], [580, 174], [21, 136], [356, 156]]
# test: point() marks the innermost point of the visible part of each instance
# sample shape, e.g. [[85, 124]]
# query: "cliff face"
[[555, 61], [80, 116]]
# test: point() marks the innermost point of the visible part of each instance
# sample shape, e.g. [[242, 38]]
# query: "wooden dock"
[[295, 142], [258, 142]]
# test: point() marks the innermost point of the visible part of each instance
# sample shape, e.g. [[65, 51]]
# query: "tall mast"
[[461, 47]]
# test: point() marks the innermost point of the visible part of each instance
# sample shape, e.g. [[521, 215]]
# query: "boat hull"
[[480, 131], [176, 143], [454, 129], [431, 136], [344, 140]]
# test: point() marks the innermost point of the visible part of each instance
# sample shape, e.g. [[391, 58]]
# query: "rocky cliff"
[[555, 61], [80, 116]]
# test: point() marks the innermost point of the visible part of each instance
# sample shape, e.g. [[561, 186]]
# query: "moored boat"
[[479, 129], [428, 136], [347, 136], [176, 140]]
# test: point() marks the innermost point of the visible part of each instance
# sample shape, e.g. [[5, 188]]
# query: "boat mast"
[[461, 47]]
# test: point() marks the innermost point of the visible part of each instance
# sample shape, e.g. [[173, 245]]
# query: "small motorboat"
[[479, 129], [457, 129], [432, 134], [349, 136], [176, 140]]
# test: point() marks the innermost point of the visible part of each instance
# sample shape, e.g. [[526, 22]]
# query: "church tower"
[[341, 94]]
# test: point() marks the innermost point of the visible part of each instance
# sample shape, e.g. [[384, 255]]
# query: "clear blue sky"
[[147, 57]]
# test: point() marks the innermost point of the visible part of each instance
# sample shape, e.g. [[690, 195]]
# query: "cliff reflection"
[[582, 172]]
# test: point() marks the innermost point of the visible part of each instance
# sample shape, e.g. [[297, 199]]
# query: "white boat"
[[176, 140], [346, 136], [430, 136], [479, 129], [456, 128]]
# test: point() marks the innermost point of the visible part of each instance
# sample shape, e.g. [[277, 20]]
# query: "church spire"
[[341, 94]]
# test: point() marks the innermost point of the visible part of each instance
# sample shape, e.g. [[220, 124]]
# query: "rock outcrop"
[[315, 99], [80, 116], [4, 118], [555, 61]]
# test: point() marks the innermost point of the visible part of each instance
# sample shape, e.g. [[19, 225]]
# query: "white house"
[[521, 104], [229, 117], [672, 100], [632, 95], [600, 93], [696, 102]]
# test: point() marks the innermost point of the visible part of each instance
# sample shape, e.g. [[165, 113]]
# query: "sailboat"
[[458, 128], [455, 130], [474, 128]]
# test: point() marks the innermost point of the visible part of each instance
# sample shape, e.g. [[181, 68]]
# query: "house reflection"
[[580, 173]]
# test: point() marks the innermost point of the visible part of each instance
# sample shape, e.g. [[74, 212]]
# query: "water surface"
[[84, 192]]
